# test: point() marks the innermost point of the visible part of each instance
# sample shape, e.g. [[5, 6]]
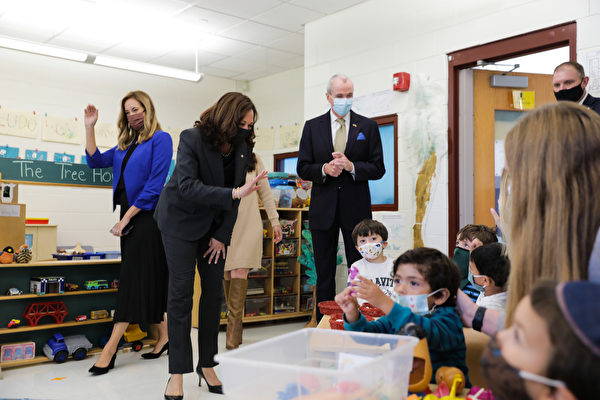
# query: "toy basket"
[[336, 321], [368, 309], [329, 307]]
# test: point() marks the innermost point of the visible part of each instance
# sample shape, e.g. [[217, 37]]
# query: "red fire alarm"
[[401, 81]]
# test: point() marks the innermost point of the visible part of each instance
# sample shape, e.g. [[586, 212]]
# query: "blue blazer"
[[146, 170]]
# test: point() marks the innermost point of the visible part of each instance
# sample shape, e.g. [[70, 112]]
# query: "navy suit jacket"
[[146, 171], [195, 202], [593, 103], [351, 195]]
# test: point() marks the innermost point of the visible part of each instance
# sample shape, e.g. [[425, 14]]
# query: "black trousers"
[[182, 257], [325, 248]]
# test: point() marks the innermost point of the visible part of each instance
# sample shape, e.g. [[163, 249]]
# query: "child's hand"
[[348, 304], [366, 289]]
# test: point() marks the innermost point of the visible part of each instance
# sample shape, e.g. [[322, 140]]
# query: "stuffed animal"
[[24, 255], [7, 255]]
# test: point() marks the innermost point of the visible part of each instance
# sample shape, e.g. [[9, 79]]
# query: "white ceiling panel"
[[240, 8], [207, 20], [136, 50], [186, 59], [225, 46], [254, 33], [237, 64], [223, 73], [259, 73], [288, 17], [293, 43], [325, 6]]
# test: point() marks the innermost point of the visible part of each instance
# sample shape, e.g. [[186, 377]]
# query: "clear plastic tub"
[[309, 362]]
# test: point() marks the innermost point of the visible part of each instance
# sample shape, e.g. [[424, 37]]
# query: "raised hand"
[[90, 115]]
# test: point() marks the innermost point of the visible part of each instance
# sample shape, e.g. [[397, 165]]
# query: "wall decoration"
[[9, 152], [36, 155], [19, 123], [265, 138], [289, 136], [64, 158], [63, 130], [106, 134]]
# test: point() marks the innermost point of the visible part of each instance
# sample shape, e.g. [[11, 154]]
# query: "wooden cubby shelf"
[[42, 327], [43, 296]]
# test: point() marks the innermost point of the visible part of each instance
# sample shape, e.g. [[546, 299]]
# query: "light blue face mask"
[[479, 288], [342, 106], [416, 302]]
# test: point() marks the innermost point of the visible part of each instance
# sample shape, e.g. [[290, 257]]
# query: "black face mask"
[[502, 379], [240, 135], [573, 94]]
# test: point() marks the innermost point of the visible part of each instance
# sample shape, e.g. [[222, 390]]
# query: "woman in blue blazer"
[[140, 162]]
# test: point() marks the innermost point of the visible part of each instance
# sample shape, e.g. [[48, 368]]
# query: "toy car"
[[14, 323], [58, 347], [13, 291], [95, 285], [134, 335], [71, 287], [99, 314], [81, 318]]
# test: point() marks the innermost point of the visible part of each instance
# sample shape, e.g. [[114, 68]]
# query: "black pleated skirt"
[[143, 280]]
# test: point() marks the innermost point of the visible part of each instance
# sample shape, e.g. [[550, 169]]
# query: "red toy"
[[35, 311], [81, 318], [14, 323]]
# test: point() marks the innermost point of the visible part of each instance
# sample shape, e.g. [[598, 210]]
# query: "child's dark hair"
[[491, 261], [368, 227], [481, 232], [437, 270], [567, 349]]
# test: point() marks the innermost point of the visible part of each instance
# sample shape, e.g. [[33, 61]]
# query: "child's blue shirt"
[[444, 328]]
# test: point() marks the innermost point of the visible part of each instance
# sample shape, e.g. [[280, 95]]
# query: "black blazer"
[[352, 195], [593, 103], [194, 200]]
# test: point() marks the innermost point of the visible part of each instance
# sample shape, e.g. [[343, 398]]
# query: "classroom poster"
[[9, 152], [36, 155], [64, 157], [289, 136], [18, 123], [106, 134], [63, 130], [265, 138]]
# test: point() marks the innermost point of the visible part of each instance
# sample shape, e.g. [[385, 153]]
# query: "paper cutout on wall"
[[9, 152], [18, 123], [63, 130], [374, 104], [265, 137], [289, 136], [64, 157], [106, 134], [36, 155]]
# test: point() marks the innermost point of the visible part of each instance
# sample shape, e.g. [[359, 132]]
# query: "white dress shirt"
[[335, 125]]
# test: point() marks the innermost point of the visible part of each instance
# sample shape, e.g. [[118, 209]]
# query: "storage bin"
[[312, 361], [255, 307], [84, 256], [287, 247], [284, 304]]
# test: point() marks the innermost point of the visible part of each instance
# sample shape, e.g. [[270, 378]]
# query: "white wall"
[[279, 100], [373, 40], [63, 88]]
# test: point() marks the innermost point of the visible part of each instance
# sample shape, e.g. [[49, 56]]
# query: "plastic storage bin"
[[312, 361], [256, 307]]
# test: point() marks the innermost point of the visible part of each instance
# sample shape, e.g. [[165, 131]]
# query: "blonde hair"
[[553, 169], [151, 124]]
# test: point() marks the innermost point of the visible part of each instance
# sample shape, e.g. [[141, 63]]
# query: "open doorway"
[[463, 201]]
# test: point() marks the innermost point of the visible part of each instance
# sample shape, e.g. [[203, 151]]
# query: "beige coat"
[[245, 250]]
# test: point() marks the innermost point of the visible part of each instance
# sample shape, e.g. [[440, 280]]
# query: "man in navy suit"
[[569, 82], [340, 151]]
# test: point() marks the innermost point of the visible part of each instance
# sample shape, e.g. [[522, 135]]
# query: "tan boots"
[[235, 295]]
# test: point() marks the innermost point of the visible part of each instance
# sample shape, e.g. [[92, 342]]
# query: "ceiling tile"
[[208, 21], [293, 43], [90, 37], [242, 9], [139, 51], [289, 17], [254, 33], [259, 73], [186, 59], [223, 73], [326, 7], [237, 64], [288, 63], [221, 45]]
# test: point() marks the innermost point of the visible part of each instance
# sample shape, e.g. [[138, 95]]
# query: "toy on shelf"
[[134, 335], [47, 284], [96, 285], [288, 227], [7, 256], [13, 291], [80, 318], [286, 247], [17, 351], [35, 311], [283, 290], [114, 284], [99, 314], [71, 287], [24, 255], [58, 347], [14, 323]]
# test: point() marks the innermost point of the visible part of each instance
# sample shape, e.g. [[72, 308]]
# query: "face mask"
[[416, 302], [573, 94], [371, 251], [506, 381], [472, 281], [136, 121], [461, 258], [240, 135], [342, 106]]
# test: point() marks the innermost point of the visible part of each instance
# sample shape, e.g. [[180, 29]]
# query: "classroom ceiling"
[[237, 39]]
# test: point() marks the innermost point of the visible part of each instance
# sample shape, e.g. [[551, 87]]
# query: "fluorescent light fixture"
[[148, 68], [42, 49]]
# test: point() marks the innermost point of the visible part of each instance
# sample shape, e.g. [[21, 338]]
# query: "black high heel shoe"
[[151, 355], [211, 388], [172, 396], [95, 370]]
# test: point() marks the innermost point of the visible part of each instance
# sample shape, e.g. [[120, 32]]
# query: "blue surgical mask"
[[479, 288], [416, 302], [342, 106]]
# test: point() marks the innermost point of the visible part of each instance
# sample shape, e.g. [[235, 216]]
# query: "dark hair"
[[437, 269], [368, 227], [221, 121], [578, 67], [481, 232], [567, 349], [491, 261]]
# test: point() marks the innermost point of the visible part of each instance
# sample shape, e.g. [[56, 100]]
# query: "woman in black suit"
[[196, 213]]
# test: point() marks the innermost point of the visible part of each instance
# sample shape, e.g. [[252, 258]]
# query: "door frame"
[[528, 43]]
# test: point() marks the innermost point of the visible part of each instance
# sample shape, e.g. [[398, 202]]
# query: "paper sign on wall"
[[18, 123], [9, 152], [523, 99], [36, 155], [64, 157], [289, 136], [63, 130], [106, 134], [265, 137]]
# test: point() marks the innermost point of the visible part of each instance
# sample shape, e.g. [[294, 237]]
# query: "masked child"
[[488, 273]]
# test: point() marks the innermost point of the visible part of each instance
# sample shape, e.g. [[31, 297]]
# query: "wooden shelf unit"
[[18, 275]]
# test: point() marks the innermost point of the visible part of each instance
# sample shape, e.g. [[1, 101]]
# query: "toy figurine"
[[422, 368], [14, 323], [13, 291], [7, 255], [24, 255]]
